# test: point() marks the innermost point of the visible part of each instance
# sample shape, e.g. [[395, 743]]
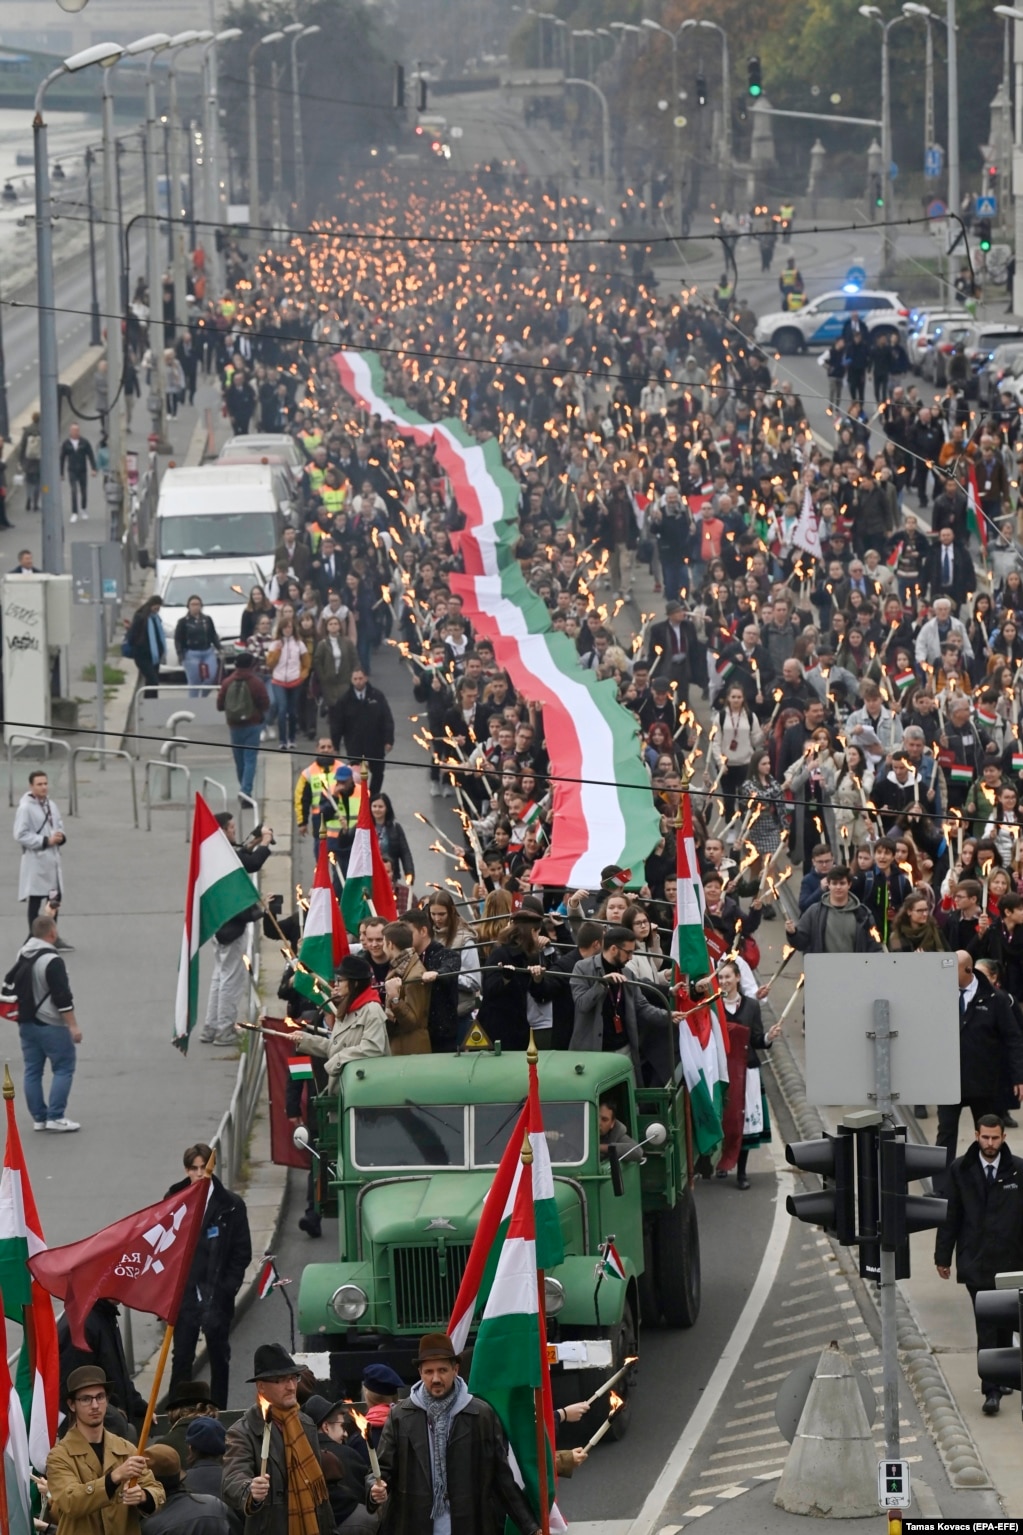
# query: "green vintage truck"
[[407, 1163]]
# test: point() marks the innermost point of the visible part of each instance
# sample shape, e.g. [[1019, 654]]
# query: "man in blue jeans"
[[245, 704], [46, 1025]]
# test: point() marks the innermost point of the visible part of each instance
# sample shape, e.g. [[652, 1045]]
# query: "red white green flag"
[[324, 940], [368, 887], [24, 1299], [16, 1478], [976, 522], [603, 811], [218, 889], [701, 1036]]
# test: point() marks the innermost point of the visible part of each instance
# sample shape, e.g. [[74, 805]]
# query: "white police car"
[[820, 321]]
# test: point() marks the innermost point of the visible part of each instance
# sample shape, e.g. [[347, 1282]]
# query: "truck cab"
[[410, 1152]]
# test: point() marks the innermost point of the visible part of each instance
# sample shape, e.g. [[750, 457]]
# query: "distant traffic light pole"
[[588, 85], [872, 13], [296, 117], [676, 141], [255, 214], [726, 110], [1013, 13]]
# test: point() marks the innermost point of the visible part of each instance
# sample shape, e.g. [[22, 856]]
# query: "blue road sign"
[[985, 207], [893, 171], [855, 279], [937, 209], [933, 160]]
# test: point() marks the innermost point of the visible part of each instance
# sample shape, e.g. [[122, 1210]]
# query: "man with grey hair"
[[885, 723], [933, 791], [935, 632]]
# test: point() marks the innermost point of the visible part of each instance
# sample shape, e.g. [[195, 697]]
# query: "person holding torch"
[[273, 1474]]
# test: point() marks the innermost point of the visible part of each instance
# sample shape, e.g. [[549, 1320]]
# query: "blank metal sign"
[[922, 992]]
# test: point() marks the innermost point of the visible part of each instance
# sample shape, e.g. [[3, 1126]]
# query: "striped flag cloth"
[[24, 1299], [324, 940], [268, 1277], [16, 1481], [701, 1037], [367, 880], [515, 1239], [976, 522], [218, 889], [611, 1262]]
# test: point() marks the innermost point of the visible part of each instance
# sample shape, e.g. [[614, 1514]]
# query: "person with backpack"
[[30, 457], [47, 1026], [245, 703]]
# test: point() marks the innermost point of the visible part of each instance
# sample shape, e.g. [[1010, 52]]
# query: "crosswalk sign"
[[985, 206], [893, 1484]]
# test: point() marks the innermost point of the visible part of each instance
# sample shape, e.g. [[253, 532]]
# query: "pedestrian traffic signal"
[[701, 90], [984, 234], [877, 189], [1001, 1366], [399, 87], [756, 84], [834, 1207], [869, 1210], [902, 1212]]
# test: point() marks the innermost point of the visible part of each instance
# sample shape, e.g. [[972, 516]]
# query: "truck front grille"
[[426, 1283]]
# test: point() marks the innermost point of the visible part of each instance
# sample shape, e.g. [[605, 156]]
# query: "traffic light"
[[1001, 1366], [984, 234], [399, 87], [902, 1212], [701, 90], [421, 95], [834, 1207], [877, 188], [755, 84], [869, 1212]]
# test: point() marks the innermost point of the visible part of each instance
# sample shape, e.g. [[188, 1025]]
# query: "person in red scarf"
[[360, 1029]]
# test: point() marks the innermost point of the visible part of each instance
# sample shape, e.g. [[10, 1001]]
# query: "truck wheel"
[[787, 341], [625, 1346], [678, 1264]]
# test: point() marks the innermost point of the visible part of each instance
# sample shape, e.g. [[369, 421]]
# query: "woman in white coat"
[[39, 831]]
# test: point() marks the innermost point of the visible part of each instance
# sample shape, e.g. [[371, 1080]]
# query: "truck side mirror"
[[614, 1163]]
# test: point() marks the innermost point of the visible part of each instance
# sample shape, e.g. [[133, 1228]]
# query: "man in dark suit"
[[296, 552], [328, 568], [752, 668], [77, 460], [367, 727], [950, 571], [990, 1056], [857, 352], [672, 649], [984, 1226]]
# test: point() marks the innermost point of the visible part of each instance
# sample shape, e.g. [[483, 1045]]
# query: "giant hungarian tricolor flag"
[[976, 522], [324, 940], [519, 1234], [218, 889], [141, 1261], [16, 1480], [24, 1299], [700, 1036], [367, 880], [603, 810]]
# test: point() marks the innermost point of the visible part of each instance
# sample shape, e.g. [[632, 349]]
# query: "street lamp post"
[[154, 44], [872, 13], [211, 157], [655, 26], [1015, 15], [606, 136], [175, 207], [112, 273], [254, 206], [726, 109], [911, 8], [95, 333], [590, 36], [953, 107], [296, 116], [49, 403]]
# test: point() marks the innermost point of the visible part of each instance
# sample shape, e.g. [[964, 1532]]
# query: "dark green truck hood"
[[447, 1206]]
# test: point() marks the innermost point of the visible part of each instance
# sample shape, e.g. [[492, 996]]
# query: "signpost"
[[934, 159], [97, 574], [985, 205], [893, 1489]]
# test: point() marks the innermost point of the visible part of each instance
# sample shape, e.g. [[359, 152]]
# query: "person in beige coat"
[[407, 994], [98, 1482], [361, 1028]]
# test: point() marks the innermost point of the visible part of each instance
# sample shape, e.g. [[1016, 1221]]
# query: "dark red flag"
[[141, 1261]]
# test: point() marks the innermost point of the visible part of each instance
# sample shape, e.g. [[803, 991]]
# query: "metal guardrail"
[[214, 783], [168, 767], [174, 692], [49, 742], [105, 751]]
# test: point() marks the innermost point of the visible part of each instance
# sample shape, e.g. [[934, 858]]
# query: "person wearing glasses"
[[613, 1012], [95, 1478]]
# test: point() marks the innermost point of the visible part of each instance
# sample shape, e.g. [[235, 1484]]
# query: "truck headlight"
[[553, 1296], [348, 1303]]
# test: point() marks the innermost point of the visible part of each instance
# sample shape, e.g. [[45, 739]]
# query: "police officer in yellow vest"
[[333, 495], [339, 816], [723, 293], [786, 213], [312, 781], [791, 283]]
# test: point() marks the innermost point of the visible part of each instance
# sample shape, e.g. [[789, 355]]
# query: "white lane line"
[[750, 1433], [819, 1330], [733, 1492], [802, 1316], [799, 1353], [756, 1417], [767, 1476], [756, 1401], [696, 1512], [813, 1279], [725, 1368], [772, 1460], [756, 1449]]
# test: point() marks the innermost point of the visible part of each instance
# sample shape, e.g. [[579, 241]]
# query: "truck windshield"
[[409, 1136], [208, 537], [564, 1126]]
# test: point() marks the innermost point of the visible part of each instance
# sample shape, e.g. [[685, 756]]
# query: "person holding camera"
[[230, 979], [39, 830], [47, 1027]]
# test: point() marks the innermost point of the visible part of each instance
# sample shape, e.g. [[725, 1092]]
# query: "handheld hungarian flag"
[[976, 522], [218, 889], [16, 1477], [611, 1263], [268, 1278], [367, 879], [24, 1299], [324, 940], [514, 1240], [700, 1036], [140, 1261]]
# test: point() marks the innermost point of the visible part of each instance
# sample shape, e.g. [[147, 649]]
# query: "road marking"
[[752, 1433], [725, 1368], [799, 1353], [756, 1449], [696, 1512], [817, 1331], [733, 1492], [768, 1476], [756, 1417], [771, 1460], [828, 1310], [755, 1401], [797, 1300]]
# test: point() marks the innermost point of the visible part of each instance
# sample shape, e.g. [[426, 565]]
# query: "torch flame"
[[616, 1402], [264, 1407]]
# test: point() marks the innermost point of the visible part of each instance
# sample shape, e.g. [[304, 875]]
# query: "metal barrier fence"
[[50, 742], [105, 751], [163, 765]]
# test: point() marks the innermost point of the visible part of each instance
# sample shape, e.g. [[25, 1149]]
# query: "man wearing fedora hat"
[[444, 1459], [291, 1498], [360, 1029], [99, 1484], [186, 1400]]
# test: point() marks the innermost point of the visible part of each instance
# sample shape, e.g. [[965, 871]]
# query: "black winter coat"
[[990, 1047], [223, 1253], [105, 1349], [984, 1227], [502, 1014], [190, 1513], [241, 1464], [481, 1487], [366, 725]]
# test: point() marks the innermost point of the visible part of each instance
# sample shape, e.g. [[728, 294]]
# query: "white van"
[[221, 512]]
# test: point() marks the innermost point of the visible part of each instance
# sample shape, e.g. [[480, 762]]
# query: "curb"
[[955, 1444]]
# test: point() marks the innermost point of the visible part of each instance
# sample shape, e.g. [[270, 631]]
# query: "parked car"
[[224, 587], [1003, 362], [926, 325], [979, 339], [820, 321]]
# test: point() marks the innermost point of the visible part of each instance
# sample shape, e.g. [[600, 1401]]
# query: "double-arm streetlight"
[[154, 45], [674, 37], [211, 157], [873, 13], [297, 32], [926, 15], [1015, 15], [726, 102], [175, 208], [254, 204], [49, 404], [605, 117], [591, 36]]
